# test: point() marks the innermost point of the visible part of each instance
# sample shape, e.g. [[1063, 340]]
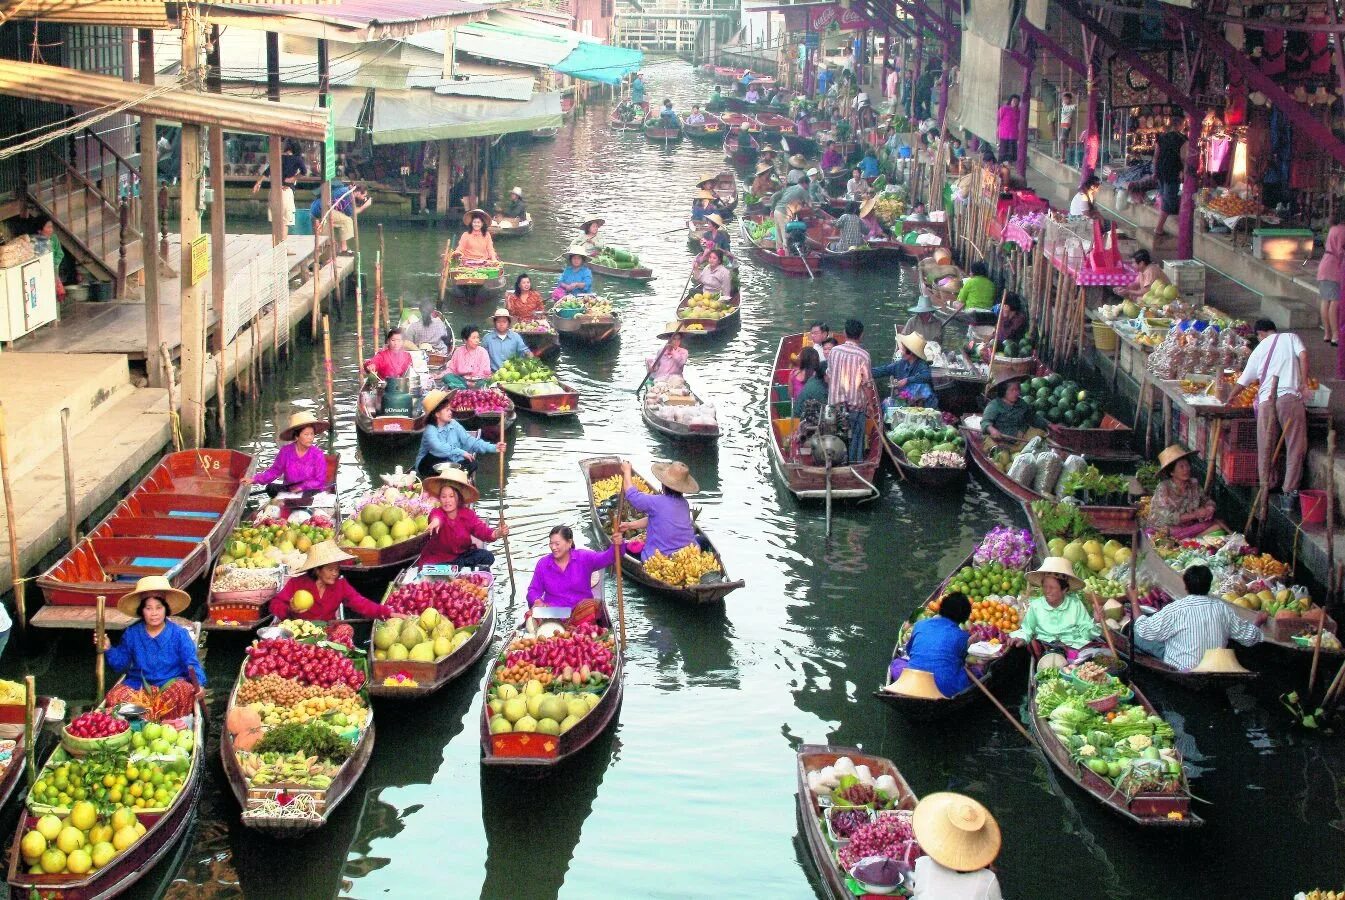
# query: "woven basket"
[[1105, 337]]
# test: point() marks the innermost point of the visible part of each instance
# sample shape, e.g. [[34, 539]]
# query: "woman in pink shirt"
[[470, 359], [453, 524], [1007, 129], [392, 361], [566, 576], [674, 357], [1328, 282], [299, 466]]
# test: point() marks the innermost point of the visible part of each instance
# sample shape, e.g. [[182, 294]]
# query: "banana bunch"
[[684, 568], [12, 693], [606, 488], [287, 768]]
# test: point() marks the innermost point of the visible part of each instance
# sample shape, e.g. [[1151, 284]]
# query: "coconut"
[[1113, 610]]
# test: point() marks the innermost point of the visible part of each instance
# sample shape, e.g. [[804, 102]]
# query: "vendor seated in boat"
[[817, 187], [938, 645], [798, 169], [429, 330], [672, 360], [667, 516], [667, 116], [476, 247], [454, 524], [807, 385], [156, 653], [503, 343], [924, 321], [850, 231], [1181, 632], [576, 278], [714, 237], [1149, 274], [706, 203], [524, 303], [564, 578], [869, 164], [626, 111], [912, 380], [1013, 321], [857, 187], [764, 182], [1179, 503], [872, 226], [696, 117], [752, 95], [744, 138], [588, 237], [831, 157], [470, 360], [320, 593], [978, 291], [516, 209], [803, 124], [444, 440], [392, 361], [960, 840], [918, 214], [1058, 617], [300, 467], [712, 275], [1008, 418]]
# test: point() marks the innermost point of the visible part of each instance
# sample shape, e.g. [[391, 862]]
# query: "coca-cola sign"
[[824, 17]]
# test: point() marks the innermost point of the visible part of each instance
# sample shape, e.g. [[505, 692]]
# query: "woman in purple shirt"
[[667, 515], [299, 465], [566, 576]]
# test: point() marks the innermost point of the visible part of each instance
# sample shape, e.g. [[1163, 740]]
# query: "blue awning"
[[592, 61]]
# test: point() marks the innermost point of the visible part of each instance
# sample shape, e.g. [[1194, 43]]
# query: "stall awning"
[[599, 62], [402, 117], [512, 46], [513, 39]]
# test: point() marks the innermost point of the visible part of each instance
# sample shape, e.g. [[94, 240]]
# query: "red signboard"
[[824, 17]]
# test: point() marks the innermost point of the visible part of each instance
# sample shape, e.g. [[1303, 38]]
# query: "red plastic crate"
[[1239, 434], [1238, 467]]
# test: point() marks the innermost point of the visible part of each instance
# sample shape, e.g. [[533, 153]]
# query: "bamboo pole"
[[359, 311], [327, 368], [508, 554], [99, 635], [30, 719], [11, 519], [378, 292], [1330, 555], [72, 523], [1000, 706], [620, 591], [169, 380], [317, 276]]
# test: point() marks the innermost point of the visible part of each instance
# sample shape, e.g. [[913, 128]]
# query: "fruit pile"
[[481, 402], [295, 768], [96, 724], [278, 691], [303, 628], [339, 712], [308, 664], [1231, 205], [533, 709], [1090, 556], [523, 370], [533, 326], [705, 306], [1019, 349], [761, 230], [427, 638], [1106, 588], [606, 488], [82, 843], [461, 601], [1003, 614], [1263, 565], [468, 273], [231, 578], [264, 544], [684, 567], [991, 579], [1062, 402], [386, 517], [577, 650], [889, 208], [146, 774]]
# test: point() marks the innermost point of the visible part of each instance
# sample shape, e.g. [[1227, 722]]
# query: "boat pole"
[[1330, 566], [1000, 706], [15, 568], [828, 495], [617, 554], [327, 370], [508, 554], [99, 635], [359, 315], [71, 522], [29, 732], [994, 343], [1134, 595]]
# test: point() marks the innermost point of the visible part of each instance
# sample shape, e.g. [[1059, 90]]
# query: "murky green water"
[[692, 794]]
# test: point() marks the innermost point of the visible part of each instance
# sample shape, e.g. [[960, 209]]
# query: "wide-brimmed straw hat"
[[707, 179], [502, 313], [798, 161], [477, 213], [956, 831], [705, 195], [716, 218], [1168, 458], [675, 475], [177, 600], [814, 172], [867, 206], [670, 329], [1059, 567], [922, 305], [1005, 377], [323, 553], [915, 683], [455, 477], [764, 169], [517, 190], [583, 226], [433, 400], [301, 420], [578, 250], [913, 342], [1219, 660]]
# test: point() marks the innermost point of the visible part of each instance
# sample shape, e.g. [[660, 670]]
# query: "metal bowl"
[[132, 711], [273, 633]]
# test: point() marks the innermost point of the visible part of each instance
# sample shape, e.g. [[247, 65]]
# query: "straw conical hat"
[[707, 179], [914, 343], [1219, 660], [867, 206], [578, 250], [716, 218], [323, 553], [455, 477], [675, 475], [764, 169], [433, 400], [1059, 566], [1006, 376], [177, 600], [798, 161], [486, 220], [956, 831], [916, 683], [583, 226], [1168, 458], [670, 329], [299, 421]]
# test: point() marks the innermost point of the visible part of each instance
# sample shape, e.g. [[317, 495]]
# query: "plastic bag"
[[1073, 463], [1024, 469], [1034, 446], [1049, 465]]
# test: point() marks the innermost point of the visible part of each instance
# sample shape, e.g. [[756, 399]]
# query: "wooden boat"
[[393, 430], [534, 754], [635, 123], [1147, 809], [475, 290], [600, 467], [773, 124], [805, 477], [915, 252], [173, 523], [431, 676], [710, 132], [1112, 440], [163, 832], [656, 133], [812, 758], [13, 715], [764, 252], [740, 156], [586, 328], [822, 233], [543, 341], [504, 227], [923, 476], [485, 425], [1192, 681], [708, 327], [726, 191], [674, 429], [636, 273], [737, 120], [550, 405], [326, 801]]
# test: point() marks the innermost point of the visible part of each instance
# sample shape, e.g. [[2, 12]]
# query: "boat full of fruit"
[[445, 622]]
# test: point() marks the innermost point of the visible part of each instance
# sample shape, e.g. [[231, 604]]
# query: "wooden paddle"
[[508, 554], [650, 371], [30, 718], [99, 634], [538, 267], [1000, 706]]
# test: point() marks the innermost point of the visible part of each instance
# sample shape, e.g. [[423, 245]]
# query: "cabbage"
[[878, 871], [1071, 712]]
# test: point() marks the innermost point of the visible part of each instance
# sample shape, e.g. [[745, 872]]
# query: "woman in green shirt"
[[1009, 417], [1059, 616], [978, 291]]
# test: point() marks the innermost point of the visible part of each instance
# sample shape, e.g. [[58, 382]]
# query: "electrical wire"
[[100, 113]]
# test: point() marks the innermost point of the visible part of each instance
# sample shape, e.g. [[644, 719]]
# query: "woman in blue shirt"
[[576, 278], [911, 373], [155, 653], [444, 440], [938, 645], [869, 164]]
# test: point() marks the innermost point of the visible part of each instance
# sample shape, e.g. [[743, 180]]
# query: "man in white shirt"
[[1279, 360]]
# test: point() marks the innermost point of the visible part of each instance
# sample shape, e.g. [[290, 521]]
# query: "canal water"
[[692, 794]]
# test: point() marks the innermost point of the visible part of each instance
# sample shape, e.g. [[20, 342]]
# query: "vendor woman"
[[1178, 502], [453, 524], [1059, 616], [444, 440], [1009, 417], [470, 359], [667, 515], [565, 577], [299, 465], [155, 652], [1150, 273], [938, 645], [576, 278], [910, 373], [328, 591], [475, 246]]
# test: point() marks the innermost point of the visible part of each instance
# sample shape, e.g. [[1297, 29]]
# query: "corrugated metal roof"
[[369, 19]]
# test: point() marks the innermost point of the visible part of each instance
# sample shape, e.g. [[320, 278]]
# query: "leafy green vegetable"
[[309, 738], [1062, 520]]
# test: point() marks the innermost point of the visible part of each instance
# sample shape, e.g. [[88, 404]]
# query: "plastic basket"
[[1238, 467], [1239, 434], [1105, 337]]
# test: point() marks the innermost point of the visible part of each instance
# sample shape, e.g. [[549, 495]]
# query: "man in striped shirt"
[[848, 370], [1182, 631]]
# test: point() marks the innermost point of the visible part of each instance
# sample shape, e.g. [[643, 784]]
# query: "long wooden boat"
[[395, 431], [585, 328], [600, 467], [740, 156], [737, 120], [549, 405], [504, 227], [543, 341], [1192, 681], [14, 774], [765, 253], [658, 134], [710, 132], [534, 754], [326, 800], [475, 290], [634, 123], [773, 124], [431, 676], [708, 327], [674, 429], [921, 708], [813, 758], [163, 832], [934, 477], [726, 192], [805, 477], [635, 273], [173, 523], [1151, 810]]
